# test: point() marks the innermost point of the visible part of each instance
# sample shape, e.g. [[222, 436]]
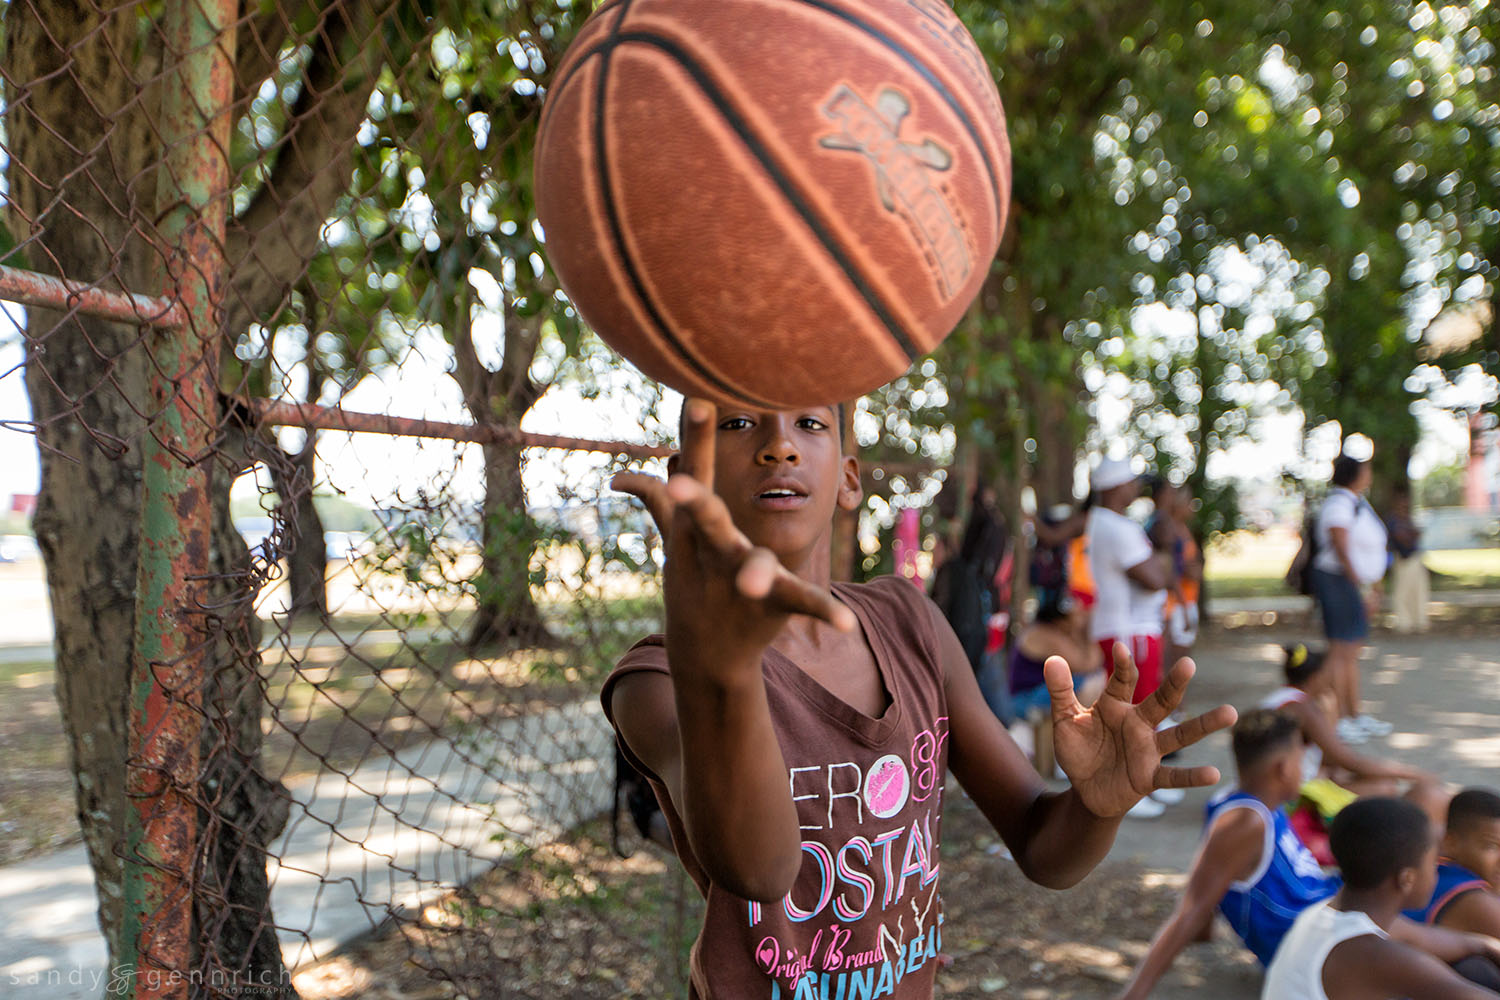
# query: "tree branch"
[[259, 41], [271, 243]]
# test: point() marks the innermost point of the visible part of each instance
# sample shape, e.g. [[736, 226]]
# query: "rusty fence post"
[[167, 666]]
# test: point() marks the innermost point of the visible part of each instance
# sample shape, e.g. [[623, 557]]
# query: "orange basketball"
[[773, 203]]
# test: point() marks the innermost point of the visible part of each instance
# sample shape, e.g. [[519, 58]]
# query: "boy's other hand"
[[1112, 753], [719, 587]]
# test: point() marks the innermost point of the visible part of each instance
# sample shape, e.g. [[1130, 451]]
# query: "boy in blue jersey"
[[1468, 873], [1254, 869], [1250, 863]]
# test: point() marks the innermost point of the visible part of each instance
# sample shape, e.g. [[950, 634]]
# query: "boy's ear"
[[1291, 765], [851, 491], [1406, 879]]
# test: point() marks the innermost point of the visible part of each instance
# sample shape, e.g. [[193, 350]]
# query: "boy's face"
[[1423, 879], [1477, 848], [782, 473]]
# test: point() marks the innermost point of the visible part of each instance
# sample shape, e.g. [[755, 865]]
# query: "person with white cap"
[[1130, 581]]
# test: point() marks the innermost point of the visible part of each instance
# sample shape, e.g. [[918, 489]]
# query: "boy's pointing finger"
[[800, 597], [651, 491], [697, 454]]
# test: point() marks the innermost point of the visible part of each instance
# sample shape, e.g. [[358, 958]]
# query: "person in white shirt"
[[1130, 583], [1356, 945], [1346, 573]]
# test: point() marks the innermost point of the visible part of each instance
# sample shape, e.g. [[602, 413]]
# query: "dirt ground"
[[595, 926]]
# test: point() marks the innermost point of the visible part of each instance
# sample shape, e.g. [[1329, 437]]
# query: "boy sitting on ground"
[[798, 739], [1341, 948], [1250, 863], [1468, 867]]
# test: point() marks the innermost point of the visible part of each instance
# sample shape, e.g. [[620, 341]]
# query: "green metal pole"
[[167, 667]]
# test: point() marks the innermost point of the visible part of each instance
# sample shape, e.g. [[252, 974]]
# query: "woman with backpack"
[[1345, 575]]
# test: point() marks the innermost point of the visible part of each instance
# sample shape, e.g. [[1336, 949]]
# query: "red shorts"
[[1146, 649]]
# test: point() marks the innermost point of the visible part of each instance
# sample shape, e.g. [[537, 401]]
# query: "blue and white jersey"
[[1453, 880], [1288, 879]]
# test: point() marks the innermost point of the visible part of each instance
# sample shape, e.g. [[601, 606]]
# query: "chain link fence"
[[329, 627]]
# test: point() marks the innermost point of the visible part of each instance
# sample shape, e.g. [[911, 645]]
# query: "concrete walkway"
[[392, 833]]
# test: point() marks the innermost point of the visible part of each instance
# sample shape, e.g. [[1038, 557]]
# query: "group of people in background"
[[1098, 576], [1322, 858]]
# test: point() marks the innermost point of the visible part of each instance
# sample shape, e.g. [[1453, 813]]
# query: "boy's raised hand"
[[1112, 752], [719, 587]]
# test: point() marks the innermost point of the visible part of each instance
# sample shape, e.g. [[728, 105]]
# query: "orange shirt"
[[1080, 573]]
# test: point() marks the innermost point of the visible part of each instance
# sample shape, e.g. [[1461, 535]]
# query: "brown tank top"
[[864, 918]]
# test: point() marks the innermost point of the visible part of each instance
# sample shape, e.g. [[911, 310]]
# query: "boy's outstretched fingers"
[[1059, 679], [762, 577], [796, 595], [1122, 680], [649, 490], [708, 513], [1186, 734], [1168, 695]]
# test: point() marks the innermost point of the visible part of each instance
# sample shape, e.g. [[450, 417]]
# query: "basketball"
[[772, 203]]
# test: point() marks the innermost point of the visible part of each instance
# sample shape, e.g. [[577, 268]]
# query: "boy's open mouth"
[[780, 494]]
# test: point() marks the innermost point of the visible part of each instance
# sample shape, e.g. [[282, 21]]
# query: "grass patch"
[[1465, 568], [37, 807], [1246, 564]]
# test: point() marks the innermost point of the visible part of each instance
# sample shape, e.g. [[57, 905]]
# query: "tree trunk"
[[242, 811], [293, 474], [1056, 443], [88, 427], [506, 613], [83, 88]]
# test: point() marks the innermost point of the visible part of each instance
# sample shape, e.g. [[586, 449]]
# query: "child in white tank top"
[[1342, 949]]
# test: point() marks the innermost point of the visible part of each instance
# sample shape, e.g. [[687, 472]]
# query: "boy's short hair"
[[1302, 664], [1373, 839], [1471, 807], [1261, 733]]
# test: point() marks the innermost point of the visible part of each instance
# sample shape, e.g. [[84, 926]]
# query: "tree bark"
[[86, 379], [293, 475], [82, 88]]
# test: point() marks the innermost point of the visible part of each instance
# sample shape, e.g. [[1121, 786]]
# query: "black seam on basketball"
[[583, 58], [784, 183], [601, 162], [927, 74]]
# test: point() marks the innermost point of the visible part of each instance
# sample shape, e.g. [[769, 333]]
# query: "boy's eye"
[[734, 424], [811, 424]]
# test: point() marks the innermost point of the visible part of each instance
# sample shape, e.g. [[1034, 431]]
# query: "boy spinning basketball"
[[798, 733]]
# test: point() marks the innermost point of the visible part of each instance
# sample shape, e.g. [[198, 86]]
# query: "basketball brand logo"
[[903, 175]]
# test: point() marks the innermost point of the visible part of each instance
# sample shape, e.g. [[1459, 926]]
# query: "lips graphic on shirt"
[[887, 784]]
